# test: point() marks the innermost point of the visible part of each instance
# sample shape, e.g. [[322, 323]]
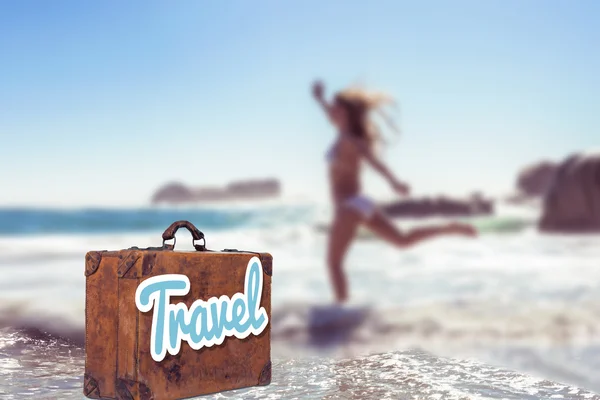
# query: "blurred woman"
[[357, 135]]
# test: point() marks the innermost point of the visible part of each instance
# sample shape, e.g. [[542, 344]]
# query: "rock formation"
[[572, 202], [173, 193], [535, 179], [177, 193], [441, 206], [532, 183]]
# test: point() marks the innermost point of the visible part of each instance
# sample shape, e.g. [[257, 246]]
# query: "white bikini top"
[[331, 153]]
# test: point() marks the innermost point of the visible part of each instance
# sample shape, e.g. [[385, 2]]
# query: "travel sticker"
[[205, 323]]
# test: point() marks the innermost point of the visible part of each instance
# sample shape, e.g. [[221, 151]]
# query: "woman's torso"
[[344, 169]]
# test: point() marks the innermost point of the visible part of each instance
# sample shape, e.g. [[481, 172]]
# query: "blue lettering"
[[254, 296], [174, 323]]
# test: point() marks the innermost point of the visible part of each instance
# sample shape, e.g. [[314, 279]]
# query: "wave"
[[499, 336], [47, 369], [23, 325], [18, 221], [409, 375], [382, 328], [484, 225], [369, 328], [41, 249], [216, 217]]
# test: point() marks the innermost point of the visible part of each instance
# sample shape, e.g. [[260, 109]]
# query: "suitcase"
[[163, 324]]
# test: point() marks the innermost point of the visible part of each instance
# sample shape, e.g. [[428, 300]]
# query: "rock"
[[177, 193], [174, 192], [572, 202], [535, 179], [254, 189], [441, 206]]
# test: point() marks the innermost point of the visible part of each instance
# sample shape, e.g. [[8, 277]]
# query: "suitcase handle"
[[169, 234]]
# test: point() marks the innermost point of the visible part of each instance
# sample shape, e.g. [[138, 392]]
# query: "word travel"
[[205, 323]]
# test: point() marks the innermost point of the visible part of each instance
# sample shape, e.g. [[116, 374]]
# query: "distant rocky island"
[[251, 189], [533, 182], [572, 199], [568, 192], [475, 205]]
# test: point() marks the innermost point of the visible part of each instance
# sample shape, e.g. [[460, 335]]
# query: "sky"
[[103, 102]]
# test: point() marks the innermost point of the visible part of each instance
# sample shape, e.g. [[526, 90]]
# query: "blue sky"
[[101, 102]]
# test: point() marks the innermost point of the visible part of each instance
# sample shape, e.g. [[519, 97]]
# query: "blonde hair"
[[359, 103]]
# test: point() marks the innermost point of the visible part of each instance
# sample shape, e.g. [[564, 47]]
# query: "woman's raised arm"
[[365, 150], [318, 90]]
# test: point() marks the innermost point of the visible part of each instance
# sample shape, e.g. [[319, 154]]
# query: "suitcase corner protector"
[[90, 387], [92, 262], [265, 375], [266, 261], [126, 263]]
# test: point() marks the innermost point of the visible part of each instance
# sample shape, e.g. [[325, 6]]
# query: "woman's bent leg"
[[380, 224]]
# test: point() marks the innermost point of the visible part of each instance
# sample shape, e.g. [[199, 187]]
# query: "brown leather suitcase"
[[146, 339]]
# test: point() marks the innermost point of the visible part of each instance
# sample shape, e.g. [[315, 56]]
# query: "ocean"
[[513, 314]]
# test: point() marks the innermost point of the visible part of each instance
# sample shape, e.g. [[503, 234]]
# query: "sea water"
[[511, 315]]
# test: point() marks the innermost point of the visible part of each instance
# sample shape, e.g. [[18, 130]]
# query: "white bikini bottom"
[[361, 204]]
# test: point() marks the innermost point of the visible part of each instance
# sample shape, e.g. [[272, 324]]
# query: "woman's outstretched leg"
[[380, 224], [341, 235]]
